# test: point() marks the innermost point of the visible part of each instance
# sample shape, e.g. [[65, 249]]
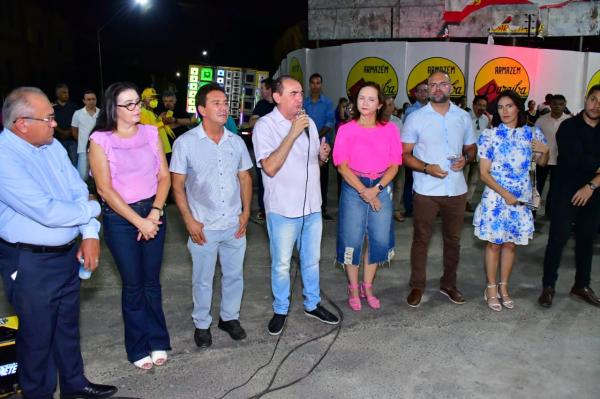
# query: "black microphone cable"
[[337, 329]]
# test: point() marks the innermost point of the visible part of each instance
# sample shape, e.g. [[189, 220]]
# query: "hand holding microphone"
[[300, 124], [303, 111]]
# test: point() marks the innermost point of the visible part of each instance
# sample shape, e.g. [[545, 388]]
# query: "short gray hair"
[[17, 104]]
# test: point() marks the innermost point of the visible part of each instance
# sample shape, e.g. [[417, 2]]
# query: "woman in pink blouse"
[[132, 177], [367, 154]]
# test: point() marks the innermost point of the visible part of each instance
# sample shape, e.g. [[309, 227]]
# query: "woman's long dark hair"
[[107, 118], [518, 101], [379, 115]]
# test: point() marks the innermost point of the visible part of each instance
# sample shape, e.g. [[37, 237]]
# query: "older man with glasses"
[[44, 207]]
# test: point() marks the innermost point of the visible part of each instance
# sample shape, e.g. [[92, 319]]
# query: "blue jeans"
[[356, 219], [283, 234], [82, 166], [139, 264], [230, 250]]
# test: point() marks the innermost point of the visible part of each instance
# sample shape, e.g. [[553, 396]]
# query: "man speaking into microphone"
[[289, 154]]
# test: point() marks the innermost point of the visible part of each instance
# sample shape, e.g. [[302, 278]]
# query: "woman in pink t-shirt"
[[132, 177], [367, 154]]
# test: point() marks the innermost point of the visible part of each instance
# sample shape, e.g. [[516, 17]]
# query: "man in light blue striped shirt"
[[44, 206], [210, 170]]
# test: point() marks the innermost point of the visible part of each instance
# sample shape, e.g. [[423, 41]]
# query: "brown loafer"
[[414, 298], [545, 299], [453, 294], [585, 294]]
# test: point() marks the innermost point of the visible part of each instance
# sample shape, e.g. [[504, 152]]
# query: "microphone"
[[302, 111]]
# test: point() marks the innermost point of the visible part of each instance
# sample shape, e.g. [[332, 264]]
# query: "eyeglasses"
[[49, 119], [441, 85], [130, 106]]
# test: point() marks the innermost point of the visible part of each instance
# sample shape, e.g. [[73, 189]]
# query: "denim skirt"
[[357, 221]]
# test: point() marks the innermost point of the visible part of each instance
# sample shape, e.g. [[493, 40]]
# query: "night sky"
[[152, 44]]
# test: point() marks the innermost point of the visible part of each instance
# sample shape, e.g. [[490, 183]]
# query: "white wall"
[[322, 61], [548, 71]]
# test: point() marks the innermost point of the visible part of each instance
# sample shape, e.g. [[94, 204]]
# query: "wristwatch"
[[425, 168], [380, 187], [592, 185], [161, 212]]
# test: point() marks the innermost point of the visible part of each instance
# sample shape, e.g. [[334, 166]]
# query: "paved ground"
[[439, 350]]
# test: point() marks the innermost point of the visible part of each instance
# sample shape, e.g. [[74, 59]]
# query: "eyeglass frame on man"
[[49, 119], [441, 85], [131, 106]]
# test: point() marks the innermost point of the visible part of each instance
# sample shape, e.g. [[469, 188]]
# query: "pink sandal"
[[354, 301], [372, 300]]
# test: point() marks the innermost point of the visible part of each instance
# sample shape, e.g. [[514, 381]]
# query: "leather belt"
[[41, 248]]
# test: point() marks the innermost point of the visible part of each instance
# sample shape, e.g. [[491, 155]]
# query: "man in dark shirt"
[[266, 104], [263, 107], [576, 200], [64, 110]]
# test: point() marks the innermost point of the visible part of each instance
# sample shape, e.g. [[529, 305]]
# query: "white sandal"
[[492, 302], [159, 358], [144, 363], [507, 301]]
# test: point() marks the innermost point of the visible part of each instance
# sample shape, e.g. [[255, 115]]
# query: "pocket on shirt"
[[230, 161]]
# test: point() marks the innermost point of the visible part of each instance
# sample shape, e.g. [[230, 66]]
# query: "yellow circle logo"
[[423, 69], [502, 74], [595, 80], [375, 70], [295, 70]]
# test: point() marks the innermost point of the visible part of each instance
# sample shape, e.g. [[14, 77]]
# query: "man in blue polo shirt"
[[438, 141], [320, 109]]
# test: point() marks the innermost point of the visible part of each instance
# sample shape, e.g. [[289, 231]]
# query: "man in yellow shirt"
[[148, 117]]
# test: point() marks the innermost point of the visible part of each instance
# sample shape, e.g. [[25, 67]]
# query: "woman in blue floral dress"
[[502, 218]]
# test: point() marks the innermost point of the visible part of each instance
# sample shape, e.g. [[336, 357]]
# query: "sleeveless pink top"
[[134, 162]]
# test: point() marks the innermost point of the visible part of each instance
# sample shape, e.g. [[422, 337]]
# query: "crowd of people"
[[429, 161]]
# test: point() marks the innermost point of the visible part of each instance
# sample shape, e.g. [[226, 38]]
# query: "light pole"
[[142, 3]]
